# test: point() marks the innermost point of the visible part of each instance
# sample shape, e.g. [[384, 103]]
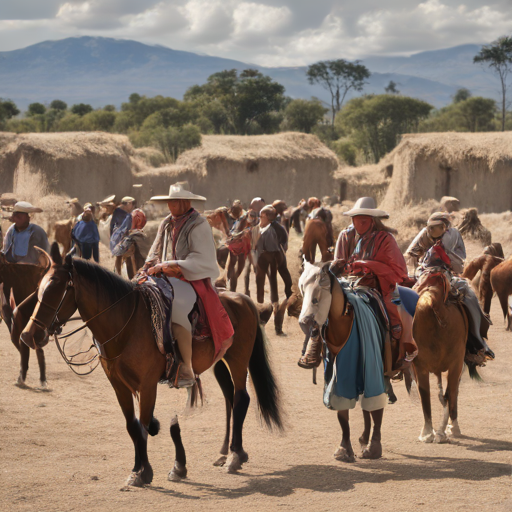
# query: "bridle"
[[55, 329]]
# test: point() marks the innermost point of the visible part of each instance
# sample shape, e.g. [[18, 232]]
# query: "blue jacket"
[[86, 232]]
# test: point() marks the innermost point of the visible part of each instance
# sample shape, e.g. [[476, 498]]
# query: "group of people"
[[368, 251]]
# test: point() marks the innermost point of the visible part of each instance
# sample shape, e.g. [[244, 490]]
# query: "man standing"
[[86, 234], [271, 247], [23, 237], [121, 221]]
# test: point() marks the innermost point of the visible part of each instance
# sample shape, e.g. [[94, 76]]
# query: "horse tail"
[[473, 372], [265, 384]]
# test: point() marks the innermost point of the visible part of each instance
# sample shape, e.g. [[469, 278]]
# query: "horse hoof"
[[454, 431], [441, 438], [177, 473], [427, 438], [363, 443], [20, 383], [135, 480], [343, 455], [373, 451], [43, 385], [234, 464], [221, 461]]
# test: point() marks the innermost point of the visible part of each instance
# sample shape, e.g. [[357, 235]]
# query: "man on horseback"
[[23, 237], [368, 251], [440, 246], [184, 253]]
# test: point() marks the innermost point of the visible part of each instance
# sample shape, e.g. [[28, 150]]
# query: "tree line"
[[360, 130]]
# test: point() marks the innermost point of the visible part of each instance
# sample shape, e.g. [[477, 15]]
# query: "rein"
[[99, 346]]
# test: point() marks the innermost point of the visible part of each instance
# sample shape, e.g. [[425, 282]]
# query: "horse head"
[[315, 286], [55, 300], [436, 282]]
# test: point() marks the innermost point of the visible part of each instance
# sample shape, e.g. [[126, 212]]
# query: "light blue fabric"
[[359, 365], [408, 299]]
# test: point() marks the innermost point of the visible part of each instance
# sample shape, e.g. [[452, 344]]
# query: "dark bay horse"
[[21, 280], [115, 312]]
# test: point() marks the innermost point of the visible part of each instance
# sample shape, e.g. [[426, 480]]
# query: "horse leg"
[[452, 394], [427, 434], [148, 425], [365, 436], [43, 384], [440, 435], [24, 358], [374, 450], [240, 406], [232, 275], [228, 390], [179, 471], [344, 453], [125, 399]]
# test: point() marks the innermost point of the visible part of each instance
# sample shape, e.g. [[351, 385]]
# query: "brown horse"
[[116, 314], [315, 234], [62, 234], [21, 281], [440, 330], [218, 219], [478, 271], [501, 282]]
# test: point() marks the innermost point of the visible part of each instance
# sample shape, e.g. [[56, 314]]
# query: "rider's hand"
[[171, 269], [338, 267], [157, 269]]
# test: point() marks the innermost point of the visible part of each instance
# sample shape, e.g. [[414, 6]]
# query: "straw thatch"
[[286, 165], [474, 167], [88, 166]]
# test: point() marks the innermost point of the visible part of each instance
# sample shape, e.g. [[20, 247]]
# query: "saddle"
[[239, 243]]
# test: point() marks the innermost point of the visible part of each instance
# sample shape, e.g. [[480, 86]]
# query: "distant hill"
[[102, 71]]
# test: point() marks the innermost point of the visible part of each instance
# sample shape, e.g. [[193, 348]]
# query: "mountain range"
[[103, 71]]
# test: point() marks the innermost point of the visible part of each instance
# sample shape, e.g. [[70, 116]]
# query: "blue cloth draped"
[[359, 366]]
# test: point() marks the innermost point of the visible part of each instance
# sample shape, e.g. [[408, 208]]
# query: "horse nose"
[[306, 322], [27, 338]]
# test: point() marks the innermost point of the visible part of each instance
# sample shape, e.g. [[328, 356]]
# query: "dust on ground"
[[68, 449]]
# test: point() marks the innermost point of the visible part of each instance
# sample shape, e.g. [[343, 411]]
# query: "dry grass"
[[244, 149]]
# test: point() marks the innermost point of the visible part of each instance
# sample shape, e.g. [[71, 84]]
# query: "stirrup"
[[312, 358]]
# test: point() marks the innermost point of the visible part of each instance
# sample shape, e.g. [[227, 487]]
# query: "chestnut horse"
[[440, 330], [116, 314], [315, 234], [501, 281], [22, 280]]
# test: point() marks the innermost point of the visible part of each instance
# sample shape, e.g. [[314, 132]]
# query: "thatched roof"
[[289, 146], [492, 147], [67, 144]]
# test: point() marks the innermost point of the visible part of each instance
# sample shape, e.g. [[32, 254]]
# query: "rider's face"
[[362, 223], [178, 207]]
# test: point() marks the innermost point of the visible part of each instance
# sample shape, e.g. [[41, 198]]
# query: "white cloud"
[[267, 32]]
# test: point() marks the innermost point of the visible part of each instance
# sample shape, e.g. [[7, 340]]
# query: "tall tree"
[[498, 56], [391, 88], [462, 94], [338, 77]]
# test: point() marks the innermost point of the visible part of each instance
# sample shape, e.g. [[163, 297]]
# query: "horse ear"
[[68, 262], [55, 254]]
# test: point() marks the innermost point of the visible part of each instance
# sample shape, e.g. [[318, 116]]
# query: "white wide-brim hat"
[[177, 191], [366, 206], [25, 207]]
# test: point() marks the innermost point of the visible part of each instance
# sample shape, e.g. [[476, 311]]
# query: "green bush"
[[346, 151]]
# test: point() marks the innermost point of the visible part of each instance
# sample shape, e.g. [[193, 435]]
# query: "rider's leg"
[[184, 300], [285, 275], [407, 346]]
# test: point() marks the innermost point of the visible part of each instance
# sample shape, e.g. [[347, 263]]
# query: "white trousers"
[[184, 301]]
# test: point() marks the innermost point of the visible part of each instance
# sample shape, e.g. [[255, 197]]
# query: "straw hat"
[[177, 191], [366, 206], [25, 207], [108, 201], [72, 201], [127, 199]]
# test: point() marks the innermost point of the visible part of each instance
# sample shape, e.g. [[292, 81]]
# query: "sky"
[[264, 32]]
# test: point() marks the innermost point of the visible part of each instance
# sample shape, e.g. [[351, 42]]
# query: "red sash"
[[218, 319]]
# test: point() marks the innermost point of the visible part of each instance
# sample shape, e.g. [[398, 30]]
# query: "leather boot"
[[313, 355]]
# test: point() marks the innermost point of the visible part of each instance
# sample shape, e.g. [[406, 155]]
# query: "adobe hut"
[[88, 166], [476, 168], [287, 166]]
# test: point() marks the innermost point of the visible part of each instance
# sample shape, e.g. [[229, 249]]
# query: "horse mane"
[[109, 284]]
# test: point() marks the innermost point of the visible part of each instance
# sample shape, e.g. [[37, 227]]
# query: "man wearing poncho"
[[184, 252]]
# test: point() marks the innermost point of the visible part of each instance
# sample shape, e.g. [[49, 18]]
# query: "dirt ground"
[[67, 449]]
